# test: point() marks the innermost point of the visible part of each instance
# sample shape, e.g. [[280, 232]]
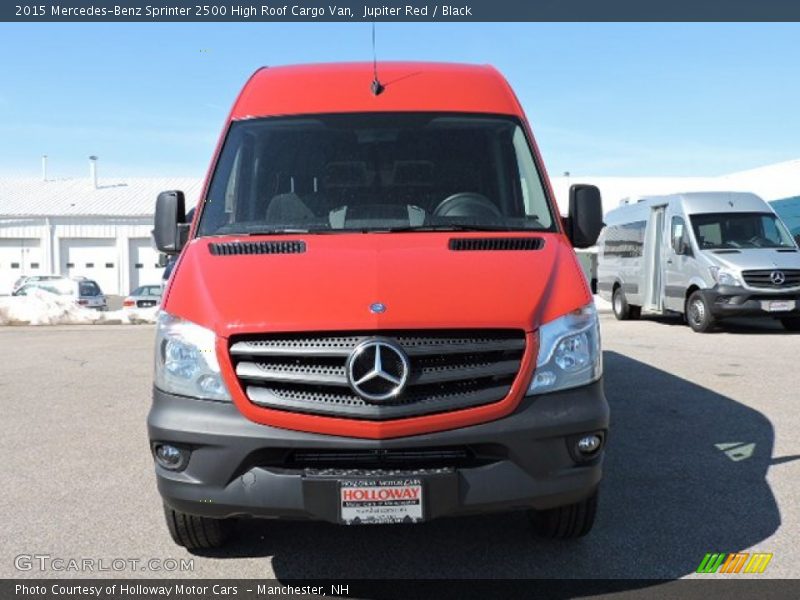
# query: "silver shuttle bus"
[[706, 255]]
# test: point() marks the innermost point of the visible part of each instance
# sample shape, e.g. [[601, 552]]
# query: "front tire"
[[791, 323], [565, 522], [698, 313], [197, 533], [622, 311]]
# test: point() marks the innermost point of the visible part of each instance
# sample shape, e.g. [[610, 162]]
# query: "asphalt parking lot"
[[702, 457]]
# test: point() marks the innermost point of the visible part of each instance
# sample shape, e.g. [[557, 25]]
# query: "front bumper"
[[736, 301], [240, 468]]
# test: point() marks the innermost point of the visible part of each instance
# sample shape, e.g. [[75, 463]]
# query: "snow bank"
[[601, 305], [45, 308]]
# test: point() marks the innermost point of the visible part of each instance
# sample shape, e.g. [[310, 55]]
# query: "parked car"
[[144, 296], [32, 279], [706, 255], [84, 291], [378, 315]]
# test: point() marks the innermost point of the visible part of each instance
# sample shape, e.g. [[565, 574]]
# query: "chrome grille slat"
[[350, 405], [272, 372], [442, 374], [449, 370], [289, 349], [344, 348]]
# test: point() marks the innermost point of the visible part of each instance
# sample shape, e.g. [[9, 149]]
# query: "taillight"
[[83, 302], [128, 303]]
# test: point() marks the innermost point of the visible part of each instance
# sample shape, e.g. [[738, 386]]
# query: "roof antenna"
[[377, 86]]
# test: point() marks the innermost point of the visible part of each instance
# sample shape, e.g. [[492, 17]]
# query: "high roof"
[[346, 87], [78, 197]]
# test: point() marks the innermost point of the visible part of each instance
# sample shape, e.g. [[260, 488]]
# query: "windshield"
[[740, 230], [375, 172]]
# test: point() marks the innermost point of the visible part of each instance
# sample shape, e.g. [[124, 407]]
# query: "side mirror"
[[585, 220], [171, 230]]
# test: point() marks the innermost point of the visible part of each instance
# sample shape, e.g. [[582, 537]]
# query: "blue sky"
[[603, 99]]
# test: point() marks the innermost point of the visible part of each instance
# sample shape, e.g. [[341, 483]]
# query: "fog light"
[[589, 444], [171, 457], [543, 379]]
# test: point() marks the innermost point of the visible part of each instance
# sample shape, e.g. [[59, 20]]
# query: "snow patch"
[[601, 305], [45, 308]]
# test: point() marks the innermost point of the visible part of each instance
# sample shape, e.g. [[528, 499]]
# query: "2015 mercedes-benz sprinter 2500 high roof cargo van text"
[[377, 315], [707, 255]]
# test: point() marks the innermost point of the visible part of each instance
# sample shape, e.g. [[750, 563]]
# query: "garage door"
[[19, 256], [93, 258], [144, 267]]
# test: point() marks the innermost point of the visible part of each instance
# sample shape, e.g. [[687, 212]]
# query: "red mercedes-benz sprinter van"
[[377, 315]]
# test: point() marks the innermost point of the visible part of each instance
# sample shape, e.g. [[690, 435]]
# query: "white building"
[[82, 227]]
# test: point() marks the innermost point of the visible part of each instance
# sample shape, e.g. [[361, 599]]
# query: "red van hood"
[[331, 286]]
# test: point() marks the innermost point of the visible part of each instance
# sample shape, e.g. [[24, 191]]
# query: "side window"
[[532, 190], [625, 241], [679, 239], [232, 188]]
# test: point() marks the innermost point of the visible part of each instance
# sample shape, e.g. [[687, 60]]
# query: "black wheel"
[[620, 305], [698, 313], [565, 522], [197, 533], [791, 323]]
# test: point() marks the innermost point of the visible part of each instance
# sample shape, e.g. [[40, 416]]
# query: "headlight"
[[186, 360], [569, 352], [724, 276]]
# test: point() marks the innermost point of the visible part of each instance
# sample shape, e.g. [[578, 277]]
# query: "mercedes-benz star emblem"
[[777, 277], [378, 369]]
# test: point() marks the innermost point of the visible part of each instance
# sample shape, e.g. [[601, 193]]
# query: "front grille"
[[763, 278], [449, 370]]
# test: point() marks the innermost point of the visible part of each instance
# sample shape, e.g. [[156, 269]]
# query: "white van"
[[706, 255]]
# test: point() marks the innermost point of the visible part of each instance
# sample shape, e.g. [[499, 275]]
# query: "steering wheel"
[[467, 204]]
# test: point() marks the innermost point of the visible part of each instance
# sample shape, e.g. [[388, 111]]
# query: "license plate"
[[777, 305], [146, 303], [378, 501]]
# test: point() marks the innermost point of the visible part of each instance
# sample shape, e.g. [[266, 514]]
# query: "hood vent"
[[239, 248], [496, 243], [727, 251], [787, 250]]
